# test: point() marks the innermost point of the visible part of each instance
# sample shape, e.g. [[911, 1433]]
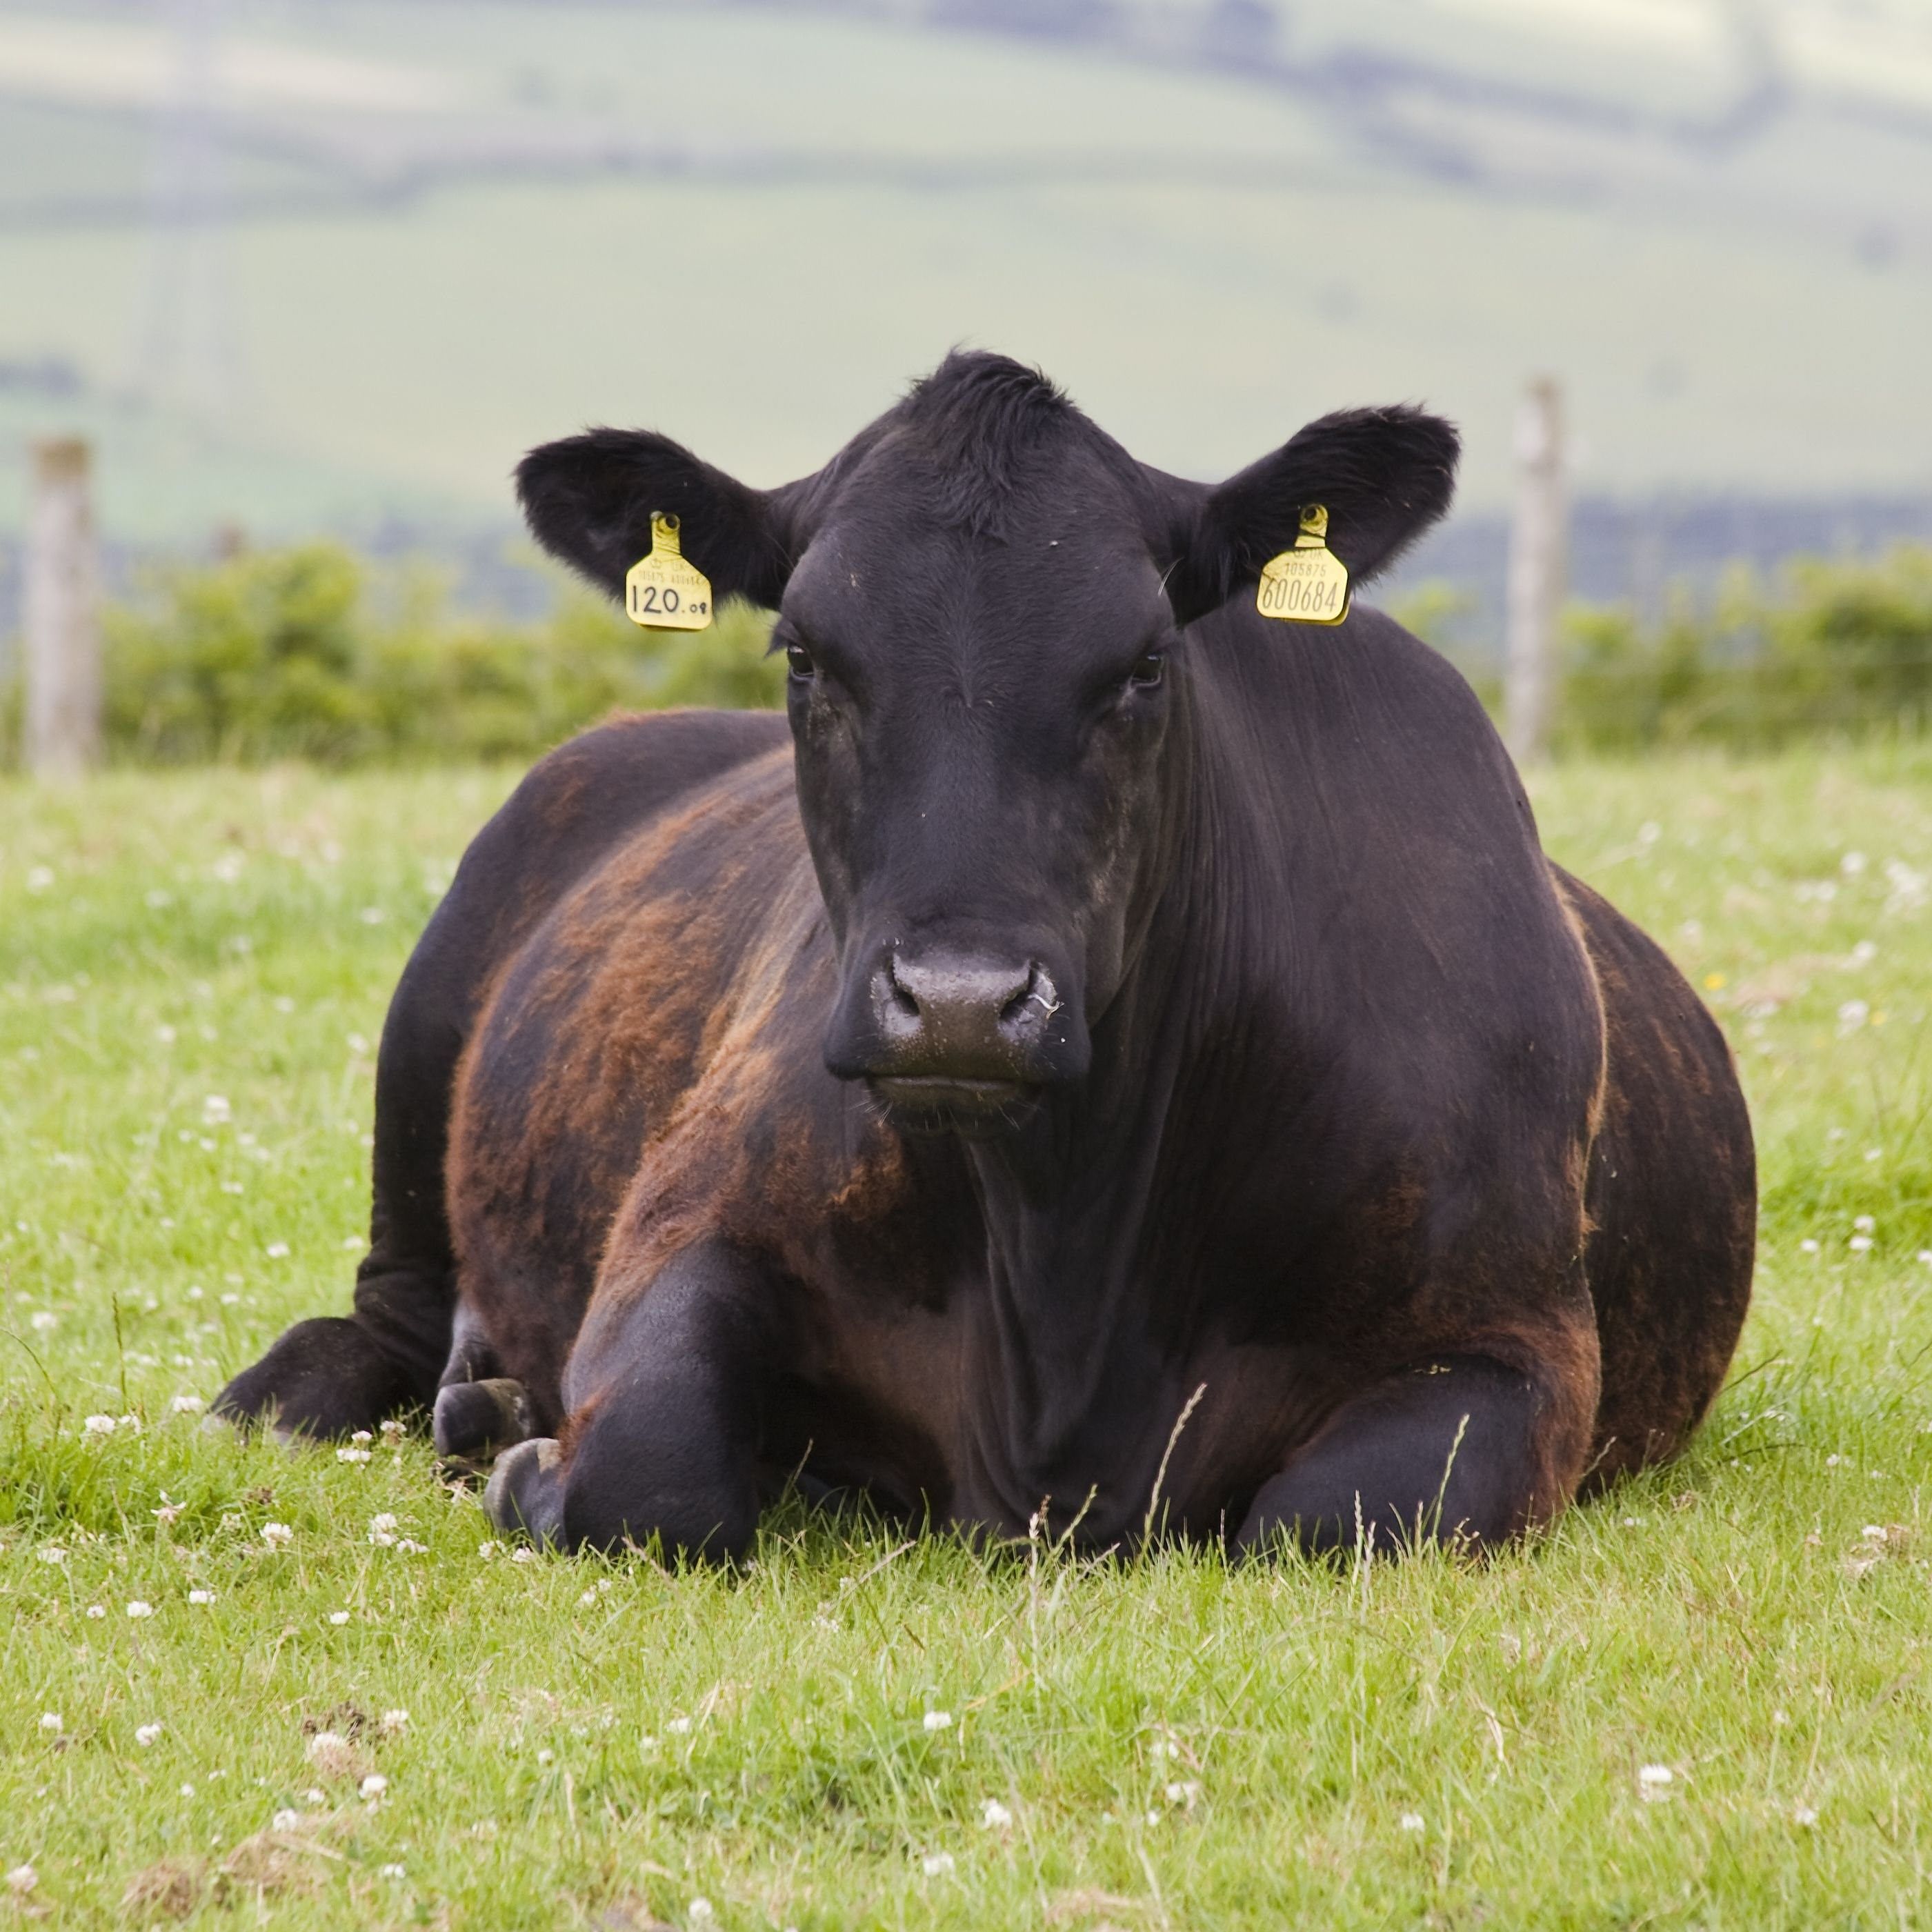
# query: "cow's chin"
[[975, 1109]]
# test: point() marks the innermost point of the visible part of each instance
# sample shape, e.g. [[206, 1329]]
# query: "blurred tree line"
[[1819, 648], [306, 652]]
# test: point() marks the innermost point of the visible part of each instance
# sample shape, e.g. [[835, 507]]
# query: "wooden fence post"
[[1537, 571], [63, 622]]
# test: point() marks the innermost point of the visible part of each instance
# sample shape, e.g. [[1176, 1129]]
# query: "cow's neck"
[[1086, 1392]]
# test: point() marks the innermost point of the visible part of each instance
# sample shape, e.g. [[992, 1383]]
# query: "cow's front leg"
[[1462, 1451], [666, 1406]]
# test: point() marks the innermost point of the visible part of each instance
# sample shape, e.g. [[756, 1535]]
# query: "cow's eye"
[[1147, 669], [801, 661]]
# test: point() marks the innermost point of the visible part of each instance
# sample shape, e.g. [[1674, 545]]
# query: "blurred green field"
[[193, 970], [418, 287]]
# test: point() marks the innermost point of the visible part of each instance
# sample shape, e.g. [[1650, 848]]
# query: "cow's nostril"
[[1014, 1010], [903, 997]]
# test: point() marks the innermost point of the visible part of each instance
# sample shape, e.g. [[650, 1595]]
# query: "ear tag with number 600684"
[[661, 591], [1308, 584]]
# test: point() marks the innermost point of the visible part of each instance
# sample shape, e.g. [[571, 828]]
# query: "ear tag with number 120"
[[1308, 584], [661, 591]]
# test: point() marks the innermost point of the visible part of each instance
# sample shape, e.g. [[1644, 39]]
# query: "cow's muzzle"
[[953, 1041]]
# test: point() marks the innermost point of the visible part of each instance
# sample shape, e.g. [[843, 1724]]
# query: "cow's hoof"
[[526, 1491], [475, 1419], [324, 1377]]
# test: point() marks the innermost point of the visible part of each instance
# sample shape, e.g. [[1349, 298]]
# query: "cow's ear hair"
[[1384, 476], [589, 500]]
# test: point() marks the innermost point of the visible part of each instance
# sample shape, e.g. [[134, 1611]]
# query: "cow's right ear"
[[589, 500]]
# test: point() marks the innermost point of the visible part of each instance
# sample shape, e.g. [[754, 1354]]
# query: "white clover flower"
[[147, 1734], [276, 1251], [678, 1725], [524, 1553], [374, 1785], [187, 1791], [487, 1550], [97, 1425], [97, 1611], [1410, 1821], [383, 1530], [1803, 1814], [338, 1617], [409, 1547], [1861, 1244], [50, 1720], [201, 1596], [546, 1757], [1808, 1246], [21, 1879], [395, 1721], [994, 1816], [938, 1720], [187, 1405], [361, 1435], [1654, 1780], [215, 1109], [327, 1745], [936, 1864], [351, 1455], [277, 1535], [285, 1820], [51, 1552], [393, 1430], [1864, 1223], [137, 1608], [43, 1321], [392, 1871], [700, 1910], [1925, 1256], [1183, 1794]]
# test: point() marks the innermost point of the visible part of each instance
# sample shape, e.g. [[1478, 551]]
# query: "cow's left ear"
[[1384, 476], [589, 500]]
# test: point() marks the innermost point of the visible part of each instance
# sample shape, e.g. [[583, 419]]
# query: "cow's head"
[[981, 602]]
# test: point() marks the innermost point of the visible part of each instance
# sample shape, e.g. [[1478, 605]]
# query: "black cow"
[[1112, 1053]]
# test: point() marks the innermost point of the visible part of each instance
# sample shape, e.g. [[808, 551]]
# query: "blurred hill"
[[334, 263]]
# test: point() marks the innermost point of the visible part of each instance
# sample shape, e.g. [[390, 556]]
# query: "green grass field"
[[193, 1703]]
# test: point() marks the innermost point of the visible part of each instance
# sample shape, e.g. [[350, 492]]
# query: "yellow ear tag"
[[661, 591], [1308, 584]]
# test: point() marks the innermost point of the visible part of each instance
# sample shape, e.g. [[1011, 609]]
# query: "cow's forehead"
[[862, 580], [1067, 550]]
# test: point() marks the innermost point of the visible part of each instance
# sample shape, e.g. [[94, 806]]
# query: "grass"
[[192, 970]]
